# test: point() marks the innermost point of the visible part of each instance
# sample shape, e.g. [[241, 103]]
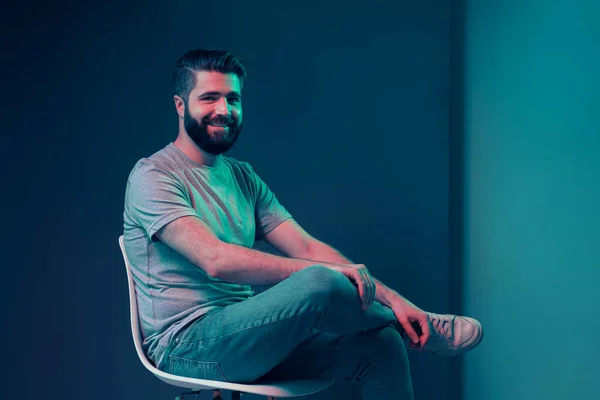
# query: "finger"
[[361, 286], [424, 322], [371, 286], [409, 329], [373, 289], [367, 291]]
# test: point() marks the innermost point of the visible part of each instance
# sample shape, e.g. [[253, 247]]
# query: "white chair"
[[287, 388]]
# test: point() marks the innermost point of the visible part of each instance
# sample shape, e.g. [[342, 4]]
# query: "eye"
[[234, 100], [209, 98]]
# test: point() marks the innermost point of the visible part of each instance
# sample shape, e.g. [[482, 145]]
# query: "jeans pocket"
[[196, 369]]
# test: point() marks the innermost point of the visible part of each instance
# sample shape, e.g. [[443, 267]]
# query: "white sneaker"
[[450, 335]]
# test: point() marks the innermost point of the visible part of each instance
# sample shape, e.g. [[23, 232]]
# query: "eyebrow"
[[219, 93]]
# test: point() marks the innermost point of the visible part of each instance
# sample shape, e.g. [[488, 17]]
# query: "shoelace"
[[441, 325]]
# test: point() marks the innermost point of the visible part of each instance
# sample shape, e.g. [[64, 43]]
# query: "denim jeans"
[[311, 325]]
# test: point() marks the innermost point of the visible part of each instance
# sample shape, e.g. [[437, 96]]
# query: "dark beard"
[[219, 144]]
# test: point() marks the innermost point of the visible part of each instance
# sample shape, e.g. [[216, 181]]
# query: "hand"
[[411, 316], [361, 278]]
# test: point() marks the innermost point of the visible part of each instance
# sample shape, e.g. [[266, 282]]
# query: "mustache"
[[220, 120]]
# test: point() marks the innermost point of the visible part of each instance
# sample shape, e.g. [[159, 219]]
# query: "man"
[[191, 218]]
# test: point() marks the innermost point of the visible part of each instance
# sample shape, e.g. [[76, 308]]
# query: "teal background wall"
[[531, 117]]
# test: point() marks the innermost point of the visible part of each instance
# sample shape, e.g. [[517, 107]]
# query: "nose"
[[222, 107]]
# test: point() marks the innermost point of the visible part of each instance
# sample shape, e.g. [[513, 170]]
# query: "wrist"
[[383, 294]]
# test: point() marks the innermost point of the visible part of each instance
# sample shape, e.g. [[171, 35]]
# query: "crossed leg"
[[315, 317]]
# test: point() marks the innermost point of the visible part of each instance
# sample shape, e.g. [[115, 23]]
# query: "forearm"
[[322, 252], [194, 240], [252, 267]]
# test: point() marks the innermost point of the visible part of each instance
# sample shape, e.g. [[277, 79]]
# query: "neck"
[[193, 152]]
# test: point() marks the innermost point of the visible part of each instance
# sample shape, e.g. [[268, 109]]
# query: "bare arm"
[[291, 239], [192, 238], [322, 252]]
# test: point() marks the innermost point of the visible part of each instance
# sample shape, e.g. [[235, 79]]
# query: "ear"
[[179, 105]]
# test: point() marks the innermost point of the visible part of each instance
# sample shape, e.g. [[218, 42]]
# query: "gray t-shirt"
[[229, 197]]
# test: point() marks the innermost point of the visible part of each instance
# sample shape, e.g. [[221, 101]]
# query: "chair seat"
[[284, 388], [280, 388]]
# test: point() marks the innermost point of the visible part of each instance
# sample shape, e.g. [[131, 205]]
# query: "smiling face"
[[212, 115]]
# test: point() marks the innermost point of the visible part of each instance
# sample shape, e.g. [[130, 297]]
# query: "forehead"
[[212, 81]]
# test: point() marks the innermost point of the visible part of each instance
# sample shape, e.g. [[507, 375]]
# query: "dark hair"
[[184, 76]]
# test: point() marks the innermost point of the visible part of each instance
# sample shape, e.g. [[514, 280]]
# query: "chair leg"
[[195, 392], [217, 395]]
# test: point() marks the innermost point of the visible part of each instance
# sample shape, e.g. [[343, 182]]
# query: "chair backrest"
[[136, 332], [133, 311]]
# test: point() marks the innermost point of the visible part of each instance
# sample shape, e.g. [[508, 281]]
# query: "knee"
[[324, 283]]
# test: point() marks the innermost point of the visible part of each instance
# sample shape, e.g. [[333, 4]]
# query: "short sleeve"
[[269, 212], [154, 197]]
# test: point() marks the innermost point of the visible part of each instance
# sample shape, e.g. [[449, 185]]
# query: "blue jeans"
[[311, 325]]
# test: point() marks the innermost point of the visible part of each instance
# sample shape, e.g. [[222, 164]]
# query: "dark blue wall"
[[346, 118]]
